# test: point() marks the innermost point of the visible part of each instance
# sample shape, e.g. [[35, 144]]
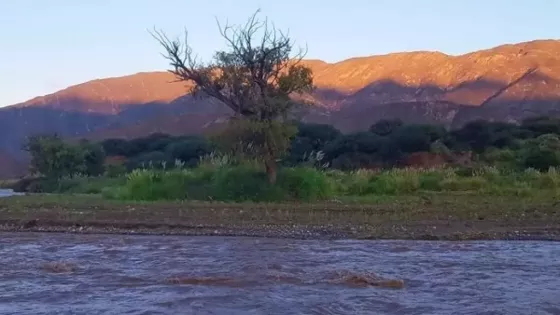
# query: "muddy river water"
[[108, 274]]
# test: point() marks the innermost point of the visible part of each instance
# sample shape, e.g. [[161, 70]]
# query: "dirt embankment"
[[412, 217]]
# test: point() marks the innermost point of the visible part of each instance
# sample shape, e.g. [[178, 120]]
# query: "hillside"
[[508, 82]]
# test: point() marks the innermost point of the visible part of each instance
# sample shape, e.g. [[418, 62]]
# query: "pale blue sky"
[[47, 45]]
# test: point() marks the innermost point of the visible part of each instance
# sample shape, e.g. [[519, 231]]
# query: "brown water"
[[97, 274]]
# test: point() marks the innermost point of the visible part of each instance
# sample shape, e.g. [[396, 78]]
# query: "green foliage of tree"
[[542, 125], [354, 160], [506, 146], [158, 148], [254, 77], [53, 158], [480, 135], [189, 150], [318, 134], [542, 153], [93, 157], [116, 147], [265, 141], [151, 159], [153, 142], [364, 142], [362, 149], [417, 137], [310, 139]]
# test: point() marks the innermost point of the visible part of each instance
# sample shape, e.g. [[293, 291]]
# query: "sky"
[[48, 45]]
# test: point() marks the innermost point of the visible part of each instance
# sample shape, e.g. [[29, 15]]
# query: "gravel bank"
[[432, 231]]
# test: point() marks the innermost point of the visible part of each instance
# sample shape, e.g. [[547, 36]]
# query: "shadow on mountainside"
[[529, 94]]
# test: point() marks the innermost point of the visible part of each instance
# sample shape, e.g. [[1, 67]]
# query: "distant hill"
[[506, 83]]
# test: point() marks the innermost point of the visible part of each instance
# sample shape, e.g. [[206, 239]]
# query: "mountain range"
[[505, 83]]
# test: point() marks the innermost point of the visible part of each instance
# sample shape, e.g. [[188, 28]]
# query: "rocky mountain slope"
[[508, 83]]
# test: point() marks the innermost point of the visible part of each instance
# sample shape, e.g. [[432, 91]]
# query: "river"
[[108, 274], [8, 193]]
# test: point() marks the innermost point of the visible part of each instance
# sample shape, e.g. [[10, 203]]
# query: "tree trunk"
[[271, 169]]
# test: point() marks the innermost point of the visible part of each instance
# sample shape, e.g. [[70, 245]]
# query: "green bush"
[[464, 184], [243, 183], [547, 180], [156, 185], [504, 159], [304, 183], [352, 183], [84, 185], [465, 171], [393, 182], [115, 171], [431, 181], [42, 185], [226, 183]]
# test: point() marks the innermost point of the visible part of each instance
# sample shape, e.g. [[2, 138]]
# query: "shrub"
[[505, 159], [304, 183], [353, 183], [115, 170], [156, 185], [393, 182], [226, 183], [244, 183], [464, 184], [248, 182], [81, 184], [42, 185], [547, 180], [431, 181]]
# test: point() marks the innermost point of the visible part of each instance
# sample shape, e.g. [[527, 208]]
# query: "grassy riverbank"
[[417, 216], [301, 184]]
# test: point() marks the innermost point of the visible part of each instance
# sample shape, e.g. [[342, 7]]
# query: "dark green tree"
[[542, 153], [310, 138], [93, 158], [116, 147], [52, 158], [417, 137], [542, 125], [189, 150], [480, 135], [362, 150], [153, 159]]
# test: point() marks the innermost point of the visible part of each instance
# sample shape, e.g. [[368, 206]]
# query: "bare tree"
[[254, 77]]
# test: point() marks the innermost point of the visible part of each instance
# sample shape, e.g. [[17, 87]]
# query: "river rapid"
[[119, 274]]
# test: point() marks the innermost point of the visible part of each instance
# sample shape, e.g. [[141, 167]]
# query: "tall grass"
[[225, 183], [485, 180], [249, 183]]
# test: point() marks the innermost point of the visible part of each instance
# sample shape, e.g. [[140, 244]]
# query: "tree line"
[[534, 143]]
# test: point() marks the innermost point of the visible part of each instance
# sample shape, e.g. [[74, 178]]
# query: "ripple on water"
[[60, 267], [102, 274]]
